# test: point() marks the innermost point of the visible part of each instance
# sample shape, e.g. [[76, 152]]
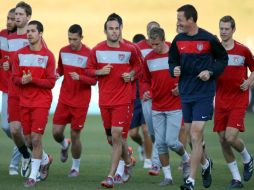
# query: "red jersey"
[[112, 88], [75, 93], [42, 67], [156, 77], [15, 43], [4, 56], [228, 92], [144, 47]]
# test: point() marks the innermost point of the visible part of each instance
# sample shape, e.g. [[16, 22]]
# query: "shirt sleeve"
[[146, 79], [60, 68], [136, 63], [16, 77], [173, 57], [249, 60]]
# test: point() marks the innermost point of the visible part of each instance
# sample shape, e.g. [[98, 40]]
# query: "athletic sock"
[[234, 170], [167, 172], [206, 165], [35, 165], [245, 156], [120, 168], [75, 164]]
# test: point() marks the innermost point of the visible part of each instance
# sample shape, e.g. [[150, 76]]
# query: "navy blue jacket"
[[194, 54]]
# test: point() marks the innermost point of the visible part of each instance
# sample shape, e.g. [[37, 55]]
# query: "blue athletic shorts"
[[138, 117], [198, 110]]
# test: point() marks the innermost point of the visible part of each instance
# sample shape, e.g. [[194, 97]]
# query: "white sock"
[[185, 157], [64, 144], [44, 158], [75, 164], [35, 165], [206, 165], [167, 172], [191, 180], [245, 156], [120, 168], [234, 170]]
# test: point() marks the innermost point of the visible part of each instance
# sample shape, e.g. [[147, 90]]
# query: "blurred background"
[[58, 15]]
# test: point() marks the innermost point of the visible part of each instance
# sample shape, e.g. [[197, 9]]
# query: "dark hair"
[[76, 28], [38, 24], [189, 12], [138, 37], [117, 17], [157, 32], [12, 10], [26, 7], [228, 19], [111, 19]]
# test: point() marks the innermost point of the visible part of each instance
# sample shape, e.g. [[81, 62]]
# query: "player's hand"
[[177, 71], [147, 95], [6, 66], [128, 77], [74, 75], [204, 75], [245, 85], [57, 76], [175, 91], [26, 77], [105, 70]]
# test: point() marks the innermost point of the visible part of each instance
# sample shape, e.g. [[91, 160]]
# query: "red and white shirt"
[[4, 56], [228, 92], [41, 64], [156, 77], [75, 93], [112, 88]]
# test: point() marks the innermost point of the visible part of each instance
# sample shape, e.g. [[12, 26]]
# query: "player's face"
[[74, 40], [33, 35], [112, 31], [157, 44], [182, 23], [226, 31], [21, 18], [10, 21], [179, 29]]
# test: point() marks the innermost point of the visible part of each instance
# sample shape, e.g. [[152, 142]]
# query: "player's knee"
[[162, 148], [36, 142], [174, 145], [230, 139]]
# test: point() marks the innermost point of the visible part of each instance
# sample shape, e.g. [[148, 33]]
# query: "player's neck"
[[36, 47], [193, 30], [229, 44], [165, 48], [21, 31], [113, 44]]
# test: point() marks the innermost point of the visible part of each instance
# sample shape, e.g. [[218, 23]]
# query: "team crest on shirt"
[[200, 47], [121, 57], [235, 59], [40, 60], [80, 60]]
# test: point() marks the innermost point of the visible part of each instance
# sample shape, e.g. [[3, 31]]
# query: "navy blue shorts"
[[138, 117], [198, 110]]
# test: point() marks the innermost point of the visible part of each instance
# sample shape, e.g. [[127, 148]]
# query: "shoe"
[[166, 182], [235, 184], [154, 171], [127, 172], [64, 152], [140, 151], [187, 186], [44, 170], [29, 182], [118, 179], [248, 170], [25, 167], [108, 182], [147, 164], [206, 175], [13, 170], [186, 169], [73, 173]]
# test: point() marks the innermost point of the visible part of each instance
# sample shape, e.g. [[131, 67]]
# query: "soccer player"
[[198, 58], [115, 64], [166, 107], [145, 48], [4, 77], [231, 102], [34, 73], [74, 96]]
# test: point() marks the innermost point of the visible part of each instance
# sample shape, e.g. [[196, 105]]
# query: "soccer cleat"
[[64, 152], [187, 186], [73, 173], [44, 169], [186, 169], [248, 170], [118, 179], [25, 167], [13, 170], [206, 175], [127, 171], [166, 182], [154, 171], [29, 182], [235, 184], [108, 182], [147, 164]]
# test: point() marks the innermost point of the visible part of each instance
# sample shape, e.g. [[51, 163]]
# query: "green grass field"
[[96, 159]]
